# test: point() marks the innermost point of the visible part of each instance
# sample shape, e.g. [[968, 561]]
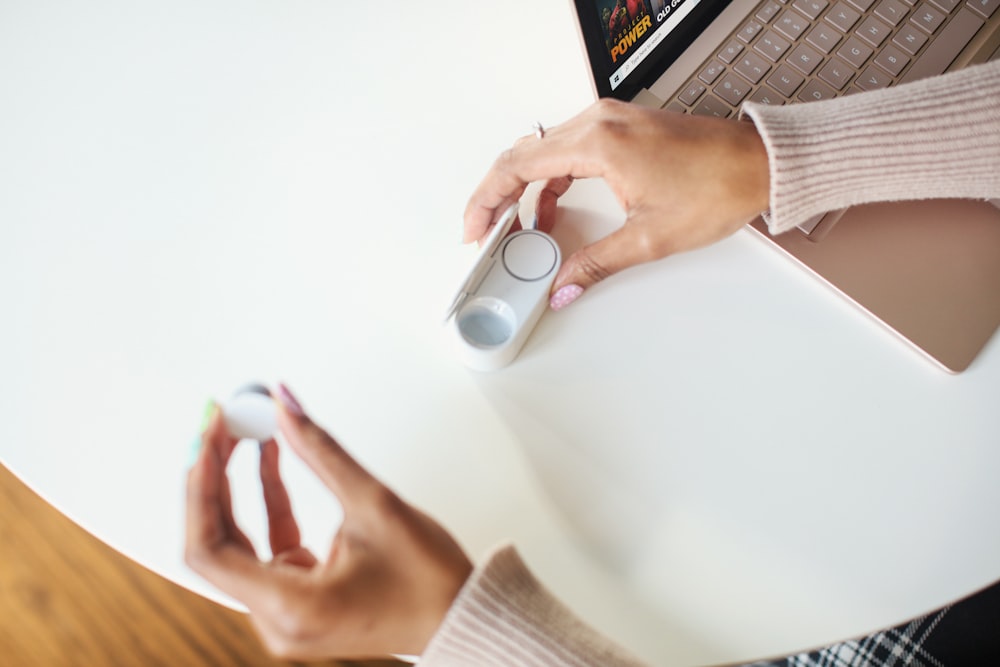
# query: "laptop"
[[930, 270]]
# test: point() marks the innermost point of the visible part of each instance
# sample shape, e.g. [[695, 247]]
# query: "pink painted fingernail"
[[289, 401], [564, 296]]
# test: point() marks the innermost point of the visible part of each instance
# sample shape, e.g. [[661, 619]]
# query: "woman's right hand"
[[683, 182]]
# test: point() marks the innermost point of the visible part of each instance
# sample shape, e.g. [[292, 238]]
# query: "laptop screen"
[[631, 42]]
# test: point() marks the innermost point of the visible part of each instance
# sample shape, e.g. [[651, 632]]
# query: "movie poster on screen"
[[626, 24]]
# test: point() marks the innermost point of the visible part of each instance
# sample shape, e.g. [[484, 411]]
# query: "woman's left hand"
[[384, 588]]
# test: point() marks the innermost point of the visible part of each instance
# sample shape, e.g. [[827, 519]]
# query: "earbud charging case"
[[504, 296]]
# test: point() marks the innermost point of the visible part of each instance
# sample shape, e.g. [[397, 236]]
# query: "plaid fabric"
[[966, 633], [898, 647]]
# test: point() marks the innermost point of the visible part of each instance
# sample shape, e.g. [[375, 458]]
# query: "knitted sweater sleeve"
[[934, 138], [503, 617]]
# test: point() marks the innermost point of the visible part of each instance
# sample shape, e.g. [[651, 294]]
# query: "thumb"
[[627, 246]]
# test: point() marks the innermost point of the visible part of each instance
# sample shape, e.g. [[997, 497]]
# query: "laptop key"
[[711, 72], [816, 91], [765, 95], [771, 46], [843, 17], [786, 80], [749, 31], [811, 8], [732, 89], [909, 39], [855, 52], [805, 59], [893, 11], [862, 5], [892, 60], [984, 8], [927, 18], [824, 38], [873, 79], [691, 93], [732, 50], [712, 106], [946, 6], [753, 67], [836, 73], [873, 31], [791, 24], [768, 11]]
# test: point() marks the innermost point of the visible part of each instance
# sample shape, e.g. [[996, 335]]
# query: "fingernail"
[[206, 414], [289, 401], [564, 296], [194, 449]]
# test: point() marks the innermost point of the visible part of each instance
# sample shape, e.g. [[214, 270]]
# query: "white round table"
[[712, 458]]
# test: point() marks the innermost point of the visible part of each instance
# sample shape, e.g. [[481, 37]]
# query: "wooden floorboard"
[[68, 600]]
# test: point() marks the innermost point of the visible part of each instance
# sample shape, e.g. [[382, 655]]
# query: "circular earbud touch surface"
[[529, 256]]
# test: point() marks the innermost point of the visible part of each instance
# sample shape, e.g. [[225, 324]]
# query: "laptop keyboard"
[[805, 50]]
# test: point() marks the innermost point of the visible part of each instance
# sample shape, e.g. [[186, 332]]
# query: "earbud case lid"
[[504, 295]]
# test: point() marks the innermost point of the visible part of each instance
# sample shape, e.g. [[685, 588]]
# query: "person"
[[395, 581]]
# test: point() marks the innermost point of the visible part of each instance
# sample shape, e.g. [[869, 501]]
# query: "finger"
[[218, 447], [548, 198], [211, 548], [564, 152], [236, 535], [344, 476], [297, 557], [515, 226], [625, 247], [219, 443], [283, 529], [206, 521]]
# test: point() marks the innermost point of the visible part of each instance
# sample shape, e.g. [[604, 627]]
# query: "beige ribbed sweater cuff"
[[504, 617], [934, 138]]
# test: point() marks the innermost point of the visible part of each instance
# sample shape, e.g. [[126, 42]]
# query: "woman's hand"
[[384, 588], [683, 181]]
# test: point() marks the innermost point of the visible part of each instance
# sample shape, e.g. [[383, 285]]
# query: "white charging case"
[[505, 294]]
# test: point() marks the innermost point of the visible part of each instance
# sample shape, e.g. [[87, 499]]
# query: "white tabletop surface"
[[712, 458]]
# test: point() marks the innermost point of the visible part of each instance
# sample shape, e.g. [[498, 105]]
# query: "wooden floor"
[[68, 600]]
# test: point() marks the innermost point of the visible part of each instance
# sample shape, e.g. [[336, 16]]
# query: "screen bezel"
[[655, 63]]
